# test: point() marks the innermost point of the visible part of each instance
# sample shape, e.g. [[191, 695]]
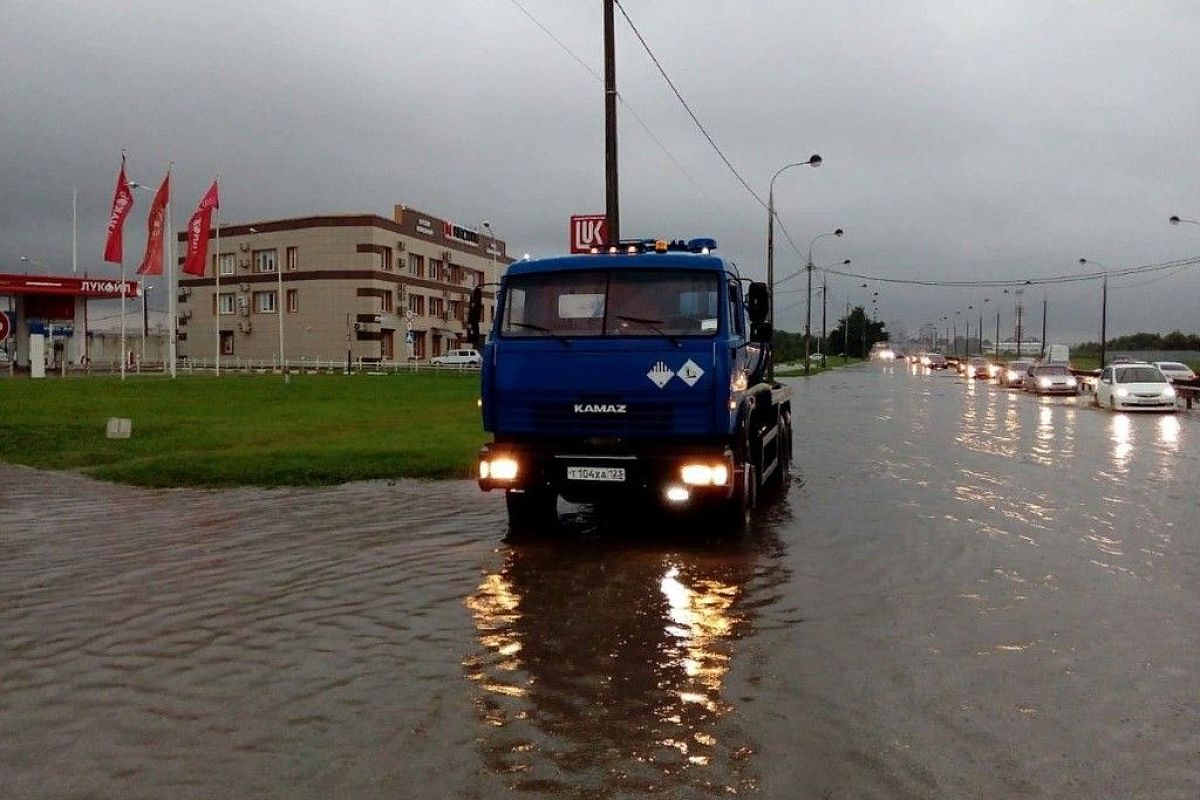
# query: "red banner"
[[121, 206], [197, 233], [152, 262]]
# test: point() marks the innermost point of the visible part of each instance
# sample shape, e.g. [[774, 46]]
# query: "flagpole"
[[123, 317], [217, 272], [74, 230], [172, 297]]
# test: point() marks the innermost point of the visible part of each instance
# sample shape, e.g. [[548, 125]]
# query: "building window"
[[264, 261], [385, 259], [435, 269], [293, 301], [416, 265], [416, 304], [264, 302], [456, 275], [436, 308], [228, 262], [387, 302], [293, 257], [456, 310], [223, 303], [226, 343], [418, 345]]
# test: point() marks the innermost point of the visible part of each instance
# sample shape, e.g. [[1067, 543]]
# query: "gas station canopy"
[[75, 287]]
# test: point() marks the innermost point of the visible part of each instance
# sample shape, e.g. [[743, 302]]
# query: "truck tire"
[[733, 515], [531, 512]]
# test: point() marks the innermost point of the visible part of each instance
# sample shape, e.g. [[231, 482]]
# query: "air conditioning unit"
[[245, 248], [400, 246], [446, 257], [186, 314], [245, 327], [244, 263], [245, 287]]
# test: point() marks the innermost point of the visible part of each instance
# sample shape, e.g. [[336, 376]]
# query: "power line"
[[1178, 265], [637, 117]]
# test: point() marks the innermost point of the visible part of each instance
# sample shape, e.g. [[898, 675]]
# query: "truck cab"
[[636, 370]]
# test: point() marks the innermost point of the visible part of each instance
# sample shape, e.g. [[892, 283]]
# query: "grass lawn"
[[797, 370], [246, 430]]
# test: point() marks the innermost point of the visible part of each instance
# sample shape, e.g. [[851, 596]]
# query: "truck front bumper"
[[674, 473]]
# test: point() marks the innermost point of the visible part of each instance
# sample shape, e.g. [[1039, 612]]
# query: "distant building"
[[377, 289]]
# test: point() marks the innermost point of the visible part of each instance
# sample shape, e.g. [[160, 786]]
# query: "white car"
[[1135, 387], [1176, 370], [458, 358]]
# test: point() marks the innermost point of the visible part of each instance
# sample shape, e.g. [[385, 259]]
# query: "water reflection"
[[602, 670], [1168, 433], [1121, 435]]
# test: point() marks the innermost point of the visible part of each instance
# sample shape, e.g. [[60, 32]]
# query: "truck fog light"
[[485, 470], [504, 468], [720, 475], [678, 494]]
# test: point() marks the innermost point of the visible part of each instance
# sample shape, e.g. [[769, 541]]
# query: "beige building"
[[361, 285]]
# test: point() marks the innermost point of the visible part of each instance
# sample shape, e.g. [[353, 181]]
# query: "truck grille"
[[638, 418]]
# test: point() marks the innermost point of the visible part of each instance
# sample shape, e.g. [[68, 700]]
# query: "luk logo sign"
[[587, 231]]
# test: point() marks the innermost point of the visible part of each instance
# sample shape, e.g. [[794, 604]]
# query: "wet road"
[[968, 593]]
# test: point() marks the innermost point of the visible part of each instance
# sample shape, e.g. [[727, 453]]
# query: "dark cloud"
[[983, 139]]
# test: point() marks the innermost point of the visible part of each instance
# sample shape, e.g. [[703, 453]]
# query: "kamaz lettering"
[[594, 408]]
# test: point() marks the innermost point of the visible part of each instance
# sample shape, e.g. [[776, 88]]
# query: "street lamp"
[[145, 321], [813, 161], [1103, 309], [825, 299], [1175, 220], [28, 260], [808, 306]]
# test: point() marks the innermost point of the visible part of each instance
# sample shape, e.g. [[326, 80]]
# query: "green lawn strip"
[[237, 430]]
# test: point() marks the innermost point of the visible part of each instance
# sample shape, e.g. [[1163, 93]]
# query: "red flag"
[[152, 263], [121, 206], [197, 233]]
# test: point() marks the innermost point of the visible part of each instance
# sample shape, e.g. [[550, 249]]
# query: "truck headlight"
[[501, 468], [704, 474]]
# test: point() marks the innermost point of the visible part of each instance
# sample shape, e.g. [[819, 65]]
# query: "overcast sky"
[[966, 139]]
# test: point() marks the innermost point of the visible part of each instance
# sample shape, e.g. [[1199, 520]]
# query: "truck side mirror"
[[761, 332], [474, 315], [758, 302]]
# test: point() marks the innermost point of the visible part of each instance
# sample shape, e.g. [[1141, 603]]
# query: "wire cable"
[[1178, 264]]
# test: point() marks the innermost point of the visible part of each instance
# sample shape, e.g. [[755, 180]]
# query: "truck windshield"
[[670, 303]]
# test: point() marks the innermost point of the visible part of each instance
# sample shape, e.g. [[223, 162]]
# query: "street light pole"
[[1103, 310], [808, 305], [813, 161]]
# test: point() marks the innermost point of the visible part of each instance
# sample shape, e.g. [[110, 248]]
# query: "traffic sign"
[[5, 326], [588, 231]]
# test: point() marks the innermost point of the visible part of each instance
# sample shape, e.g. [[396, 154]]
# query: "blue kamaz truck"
[[634, 372]]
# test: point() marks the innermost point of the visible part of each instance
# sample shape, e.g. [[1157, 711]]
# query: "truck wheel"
[[733, 515], [531, 512]]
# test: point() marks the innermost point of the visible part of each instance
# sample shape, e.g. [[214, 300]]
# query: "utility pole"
[[1103, 320], [612, 210], [997, 335], [1020, 310], [1043, 354], [824, 296]]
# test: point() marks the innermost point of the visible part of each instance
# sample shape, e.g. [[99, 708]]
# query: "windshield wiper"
[[530, 327], [651, 324]]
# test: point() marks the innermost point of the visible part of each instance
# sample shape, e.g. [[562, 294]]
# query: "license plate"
[[614, 474]]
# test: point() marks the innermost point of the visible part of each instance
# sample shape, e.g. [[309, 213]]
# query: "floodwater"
[[967, 593]]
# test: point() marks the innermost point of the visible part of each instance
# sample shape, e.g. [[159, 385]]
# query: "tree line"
[[1175, 340], [863, 333]]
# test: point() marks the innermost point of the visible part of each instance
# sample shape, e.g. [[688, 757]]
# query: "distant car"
[[817, 358], [935, 361], [977, 367], [1013, 375], [1051, 379], [1176, 370], [458, 358], [1135, 387]]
